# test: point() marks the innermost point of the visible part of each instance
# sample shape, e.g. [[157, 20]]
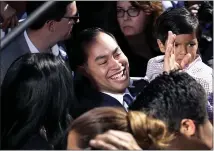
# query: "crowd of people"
[[131, 76]]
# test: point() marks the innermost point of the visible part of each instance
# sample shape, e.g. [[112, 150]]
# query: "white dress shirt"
[[55, 49], [119, 97]]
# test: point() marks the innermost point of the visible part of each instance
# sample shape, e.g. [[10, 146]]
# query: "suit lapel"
[[24, 48], [137, 86], [108, 100]]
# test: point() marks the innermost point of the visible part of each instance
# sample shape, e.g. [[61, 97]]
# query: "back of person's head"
[[79, 55], [146, 130], [173, 98], [36, 93], [177, 20], [55, 12]]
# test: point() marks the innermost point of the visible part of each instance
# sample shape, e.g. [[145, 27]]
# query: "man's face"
[[107, 65], [65, 26]]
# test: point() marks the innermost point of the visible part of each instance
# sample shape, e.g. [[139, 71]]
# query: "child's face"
[[184, 44]]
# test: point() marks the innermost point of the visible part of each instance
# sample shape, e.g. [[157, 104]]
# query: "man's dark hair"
[[56, 12], [177, 20], [78, 55], [173, 97]]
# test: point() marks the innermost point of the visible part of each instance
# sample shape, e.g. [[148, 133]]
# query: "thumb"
[[186, 60]]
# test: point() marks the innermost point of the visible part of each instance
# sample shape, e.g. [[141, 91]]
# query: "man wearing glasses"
[[44, 35]]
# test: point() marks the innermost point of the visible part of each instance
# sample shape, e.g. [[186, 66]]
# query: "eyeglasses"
[[74, 18], [132, 12]]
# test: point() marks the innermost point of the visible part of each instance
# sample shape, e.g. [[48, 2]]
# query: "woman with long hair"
[[36, 100]]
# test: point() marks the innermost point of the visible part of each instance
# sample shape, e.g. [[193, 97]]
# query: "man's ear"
[[50, 24], [187, 127], [161, 46]]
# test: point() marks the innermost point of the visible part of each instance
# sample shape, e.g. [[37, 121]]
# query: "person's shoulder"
[[13, 45], [200, 68], [137, 84], [157, 59]]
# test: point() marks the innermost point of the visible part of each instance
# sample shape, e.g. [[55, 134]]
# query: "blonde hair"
[[146, 130]]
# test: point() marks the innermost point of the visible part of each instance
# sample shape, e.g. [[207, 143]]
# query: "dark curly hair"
[[173, 97]]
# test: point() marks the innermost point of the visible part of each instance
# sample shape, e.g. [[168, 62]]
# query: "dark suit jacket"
[[14, 50], [90, 98], [11, 52]]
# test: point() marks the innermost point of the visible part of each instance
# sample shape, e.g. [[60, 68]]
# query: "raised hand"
[[8, 14], [194, 9], [169, 58]]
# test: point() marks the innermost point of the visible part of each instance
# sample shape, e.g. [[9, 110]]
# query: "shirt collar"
[[55, 49], [198, 59], [118, 96], [31, 46]]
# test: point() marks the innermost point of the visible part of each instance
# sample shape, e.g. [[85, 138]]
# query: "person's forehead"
[[124, 4], [103, 44], [185, 37]]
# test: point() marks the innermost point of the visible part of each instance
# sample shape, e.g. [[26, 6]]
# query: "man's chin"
[[121, 88]]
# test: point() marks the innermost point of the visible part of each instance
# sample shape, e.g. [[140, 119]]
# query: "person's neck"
[[40, 39], [139, 45], [206, 132]]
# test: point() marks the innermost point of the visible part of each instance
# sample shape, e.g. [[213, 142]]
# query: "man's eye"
[[102, 63], [118, 54], [191, 45]]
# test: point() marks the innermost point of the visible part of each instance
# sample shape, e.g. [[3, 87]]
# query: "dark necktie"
[[128, 99]]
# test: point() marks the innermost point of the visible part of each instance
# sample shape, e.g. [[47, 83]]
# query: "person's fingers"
[[16, 20], [185, 60], [195, 6], [5, 24], [173, 44], [194, 12], [127, 141], [168, 41], [120, 140], [177, 66], [121, 135], [99, 144], [109, 138], [173, 64], [167, 58], [12, 23], [171, 38]]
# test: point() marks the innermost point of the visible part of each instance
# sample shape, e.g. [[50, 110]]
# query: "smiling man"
[[101, 72]]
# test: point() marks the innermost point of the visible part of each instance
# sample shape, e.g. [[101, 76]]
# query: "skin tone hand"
[[169, 58], [115, 140], [194, 9], [8, 14]]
